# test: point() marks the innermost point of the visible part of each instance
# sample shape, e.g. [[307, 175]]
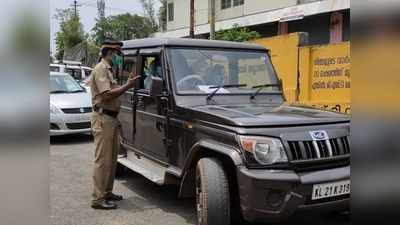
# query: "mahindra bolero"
[[211, 117]]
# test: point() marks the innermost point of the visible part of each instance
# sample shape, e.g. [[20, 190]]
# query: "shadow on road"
[[150, 196], [71, 139]]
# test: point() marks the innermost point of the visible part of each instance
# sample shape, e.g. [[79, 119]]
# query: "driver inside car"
[[154, 69]]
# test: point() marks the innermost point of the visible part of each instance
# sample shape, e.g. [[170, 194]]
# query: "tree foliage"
[[237, 33], [71, 31], [150, 13], [99, 30], [92, 48], [122, 27]]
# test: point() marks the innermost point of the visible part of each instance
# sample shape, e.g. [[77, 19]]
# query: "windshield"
[[64, 84], [198, 71]]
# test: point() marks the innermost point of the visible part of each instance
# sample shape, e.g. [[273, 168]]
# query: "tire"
[[212, 193]]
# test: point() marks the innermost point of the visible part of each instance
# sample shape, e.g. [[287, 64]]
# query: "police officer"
[[105, 125]]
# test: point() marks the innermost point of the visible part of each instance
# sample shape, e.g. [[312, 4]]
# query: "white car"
[[75, 69], [70, 105], [86, 83]]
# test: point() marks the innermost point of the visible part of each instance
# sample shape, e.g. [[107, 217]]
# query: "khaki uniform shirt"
[[101, 81]]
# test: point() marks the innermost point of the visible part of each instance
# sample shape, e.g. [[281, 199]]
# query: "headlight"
[[263, 150], [54, 109]]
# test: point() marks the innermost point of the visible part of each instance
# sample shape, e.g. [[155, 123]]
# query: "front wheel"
[[212, 193]]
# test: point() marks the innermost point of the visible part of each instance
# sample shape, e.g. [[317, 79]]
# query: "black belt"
[[105, 111]]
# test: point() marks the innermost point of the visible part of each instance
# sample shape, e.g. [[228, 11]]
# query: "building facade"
[[326, 21]]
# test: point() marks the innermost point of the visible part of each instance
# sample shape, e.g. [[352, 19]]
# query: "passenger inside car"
[[215, 75]]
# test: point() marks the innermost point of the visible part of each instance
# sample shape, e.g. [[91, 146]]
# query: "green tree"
[[150, 13], [100, 29], [162, 15], [92, 47], [237, 33], [123, 27], [71, 31]]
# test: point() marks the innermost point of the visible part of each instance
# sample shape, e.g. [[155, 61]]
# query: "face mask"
[[116, 60]]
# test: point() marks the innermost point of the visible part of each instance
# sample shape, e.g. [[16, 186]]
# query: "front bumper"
[[65, 132], [275, 195], [61, 124]]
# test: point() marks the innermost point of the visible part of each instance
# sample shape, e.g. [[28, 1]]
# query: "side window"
[[129, 66], [226, 4], [87, 72], [54, 69], [170, 11], [151, 67], [75, 73], [237, 2]]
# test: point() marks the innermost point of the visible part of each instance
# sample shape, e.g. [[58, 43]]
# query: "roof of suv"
[[155, 42]]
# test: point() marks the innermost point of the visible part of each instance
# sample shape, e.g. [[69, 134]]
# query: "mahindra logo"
[[319, 135], [82, 110]]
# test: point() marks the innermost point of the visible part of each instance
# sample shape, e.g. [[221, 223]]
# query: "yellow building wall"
[[318, 76], [284, 56], [325, 76]]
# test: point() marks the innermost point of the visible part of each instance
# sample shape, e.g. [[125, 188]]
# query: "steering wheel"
[[190, 82]]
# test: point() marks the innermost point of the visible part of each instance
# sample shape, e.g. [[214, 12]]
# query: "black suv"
[[211, 117]]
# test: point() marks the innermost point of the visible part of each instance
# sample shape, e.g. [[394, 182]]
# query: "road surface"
[[145, 203]]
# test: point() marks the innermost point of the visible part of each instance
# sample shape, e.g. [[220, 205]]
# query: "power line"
[[109, 8], [88, 2]]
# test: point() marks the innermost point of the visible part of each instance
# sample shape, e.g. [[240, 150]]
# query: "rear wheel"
[[212, 193]]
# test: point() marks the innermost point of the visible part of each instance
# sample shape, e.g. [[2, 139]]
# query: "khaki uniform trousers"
[[106, 139]]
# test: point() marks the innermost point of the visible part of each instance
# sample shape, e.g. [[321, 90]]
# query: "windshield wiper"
[[58, 91], [76, 91], [209, 97], [260, 87]]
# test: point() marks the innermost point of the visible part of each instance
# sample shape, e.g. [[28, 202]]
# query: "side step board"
[[147, 168]]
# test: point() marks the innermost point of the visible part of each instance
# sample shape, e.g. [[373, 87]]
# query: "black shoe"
[[114, 197], [104, 204]]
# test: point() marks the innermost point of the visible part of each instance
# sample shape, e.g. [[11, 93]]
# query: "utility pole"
[[191, 30], [75, 5], [101, 9], [101, 5], [212, 19]]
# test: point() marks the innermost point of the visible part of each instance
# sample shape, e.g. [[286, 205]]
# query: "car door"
[[150, 123], [127, 115]]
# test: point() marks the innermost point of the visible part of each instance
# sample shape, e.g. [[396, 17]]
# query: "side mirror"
[[157, 86]]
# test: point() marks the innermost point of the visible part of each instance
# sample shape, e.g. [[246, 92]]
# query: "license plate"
[[333, 189]]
